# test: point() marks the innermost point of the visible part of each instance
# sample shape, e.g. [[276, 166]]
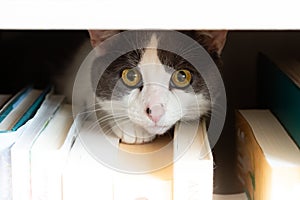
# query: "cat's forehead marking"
[[150, 55], [152, 69], [153, 41]]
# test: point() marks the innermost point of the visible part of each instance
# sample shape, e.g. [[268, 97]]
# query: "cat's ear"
[[98, 36], [213, 41]]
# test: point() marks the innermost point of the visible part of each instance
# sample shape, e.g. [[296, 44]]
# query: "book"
[[10, 135], [279, 90], [83, 176], [7, 137], [188, 175], [20, 151], [7, 108], [268, 160], [5, 174], [20, 109], [193, 171], [49, 153]]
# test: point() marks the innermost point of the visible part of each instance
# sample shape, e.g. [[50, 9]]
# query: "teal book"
[[21, 108], [32, 109], [10, 105], [279, 91]]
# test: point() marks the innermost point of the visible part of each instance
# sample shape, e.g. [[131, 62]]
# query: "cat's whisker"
[[92, 105], [110, 120], [98, 104], [93, 125], [111, 116], [187, 50], [86, 112], [100, 109], [91, 109], [118, 123], [97, 123], [188, 122], [218, 106], [114, 119]]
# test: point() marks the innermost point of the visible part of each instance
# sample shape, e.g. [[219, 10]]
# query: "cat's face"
[[145, 92]]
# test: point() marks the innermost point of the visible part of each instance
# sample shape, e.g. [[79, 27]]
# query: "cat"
[[143, 93], [26, 51]]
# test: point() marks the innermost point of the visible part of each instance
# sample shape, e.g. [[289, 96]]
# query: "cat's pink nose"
[[155, 112]]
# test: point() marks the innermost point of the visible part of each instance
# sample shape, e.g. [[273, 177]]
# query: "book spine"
[[5, 174], [193, 163], [32, 109], [253, 171], [13, 102], [281, 95]]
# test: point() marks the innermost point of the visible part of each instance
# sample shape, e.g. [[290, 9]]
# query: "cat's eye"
[[181, 78], [132, 77]]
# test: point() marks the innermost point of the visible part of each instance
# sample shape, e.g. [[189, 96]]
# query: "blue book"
[[32, 109], [21, 108], [279, 91], [10, 105]]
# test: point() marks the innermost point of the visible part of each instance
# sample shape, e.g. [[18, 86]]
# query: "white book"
[[47, 156], [83, 176], [147, 170], [5, 174], [9, 136], [7, 139], [191, 175], [193, 172], [20, 151]]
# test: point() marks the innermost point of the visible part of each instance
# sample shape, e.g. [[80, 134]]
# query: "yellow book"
[[268, 160]]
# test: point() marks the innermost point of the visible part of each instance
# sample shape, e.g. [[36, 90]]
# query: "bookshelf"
[[33, 56], [240, 76]]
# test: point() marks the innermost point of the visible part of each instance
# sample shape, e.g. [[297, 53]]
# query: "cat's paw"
[[132, 134]]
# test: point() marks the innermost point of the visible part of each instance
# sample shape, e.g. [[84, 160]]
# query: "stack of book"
[[268, 139], [33, 122], [44, 155], [14, 119]]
